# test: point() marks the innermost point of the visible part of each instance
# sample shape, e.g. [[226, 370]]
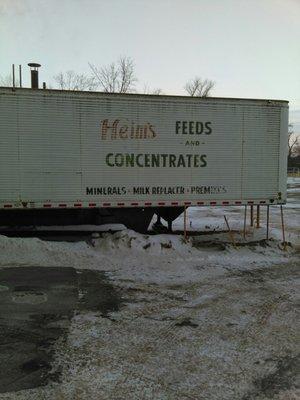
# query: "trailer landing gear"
[[169, 214], [158, 226]]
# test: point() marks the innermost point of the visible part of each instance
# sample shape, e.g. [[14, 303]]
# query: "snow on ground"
[[201, 318], [157, 259]]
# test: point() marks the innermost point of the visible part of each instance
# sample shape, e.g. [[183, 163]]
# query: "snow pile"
[[35, 252], [163, 259], [159, 259]]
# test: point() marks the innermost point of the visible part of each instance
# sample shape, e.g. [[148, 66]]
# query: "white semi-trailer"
[[87, 150]]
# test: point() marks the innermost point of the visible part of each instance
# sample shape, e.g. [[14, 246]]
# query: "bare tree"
[[8, 80], [293, 142], [117, 77], [198, 87], [70, 80], [296, 150], [107, 77], [127, 75], [148, 90], [157, 91]]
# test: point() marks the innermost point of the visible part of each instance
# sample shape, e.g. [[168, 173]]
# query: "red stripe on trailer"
[[161, 203]]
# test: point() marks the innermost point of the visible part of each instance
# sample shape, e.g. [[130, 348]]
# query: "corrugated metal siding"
[[261, 152], [52, 150]]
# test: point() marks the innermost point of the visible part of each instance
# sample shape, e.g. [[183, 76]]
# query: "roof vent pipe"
[[20, 75], [13, 76], [34, 69]]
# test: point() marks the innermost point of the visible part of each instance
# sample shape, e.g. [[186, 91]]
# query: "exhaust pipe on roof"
[[34, 69]]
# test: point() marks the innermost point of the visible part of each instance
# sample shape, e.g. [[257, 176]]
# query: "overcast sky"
[[250, 48]]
